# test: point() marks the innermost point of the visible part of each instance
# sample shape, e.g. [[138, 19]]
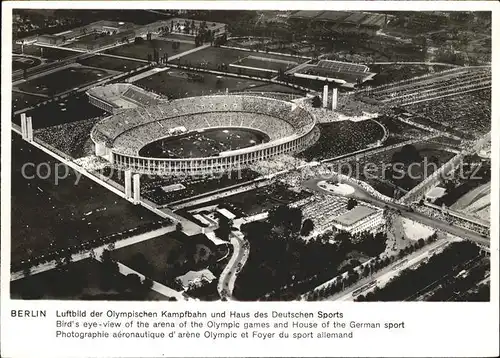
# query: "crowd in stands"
[[429, 87], [278, 118], [71, 138], [339, 138]]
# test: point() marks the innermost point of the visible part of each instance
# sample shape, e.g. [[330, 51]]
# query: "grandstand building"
[[361, 218], [139, 118], [121, 96], [344, 74]]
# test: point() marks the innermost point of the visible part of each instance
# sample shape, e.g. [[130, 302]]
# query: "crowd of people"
[[276, 118], [339, 138], [469, 113]]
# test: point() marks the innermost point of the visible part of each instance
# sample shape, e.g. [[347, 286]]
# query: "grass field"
[[62, 80], [85, 284], [47, 215], [169, 256], [209, 143], [71, 109], [23, 100], [111, 63], [175, 84], [22, 62], [213, 56], [141, 50]]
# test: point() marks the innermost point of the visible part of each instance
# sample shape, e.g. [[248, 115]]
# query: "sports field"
[[177, 84], [264, 62], [211, 57], [208, 143], [24, 62], [111, 63], [141, 50], [61, 81], [49, 214]]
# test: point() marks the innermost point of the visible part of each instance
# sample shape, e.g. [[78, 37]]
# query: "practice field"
[[208, 143], [81, 281], [61, 81], [111, 63], [49, 214], [179, 84], [339, 138], [23, 100], [141, 50], [24, 62], [211, 57], [71, 109]]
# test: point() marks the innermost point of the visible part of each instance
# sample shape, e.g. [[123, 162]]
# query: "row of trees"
[[412, 281], [353, 276]]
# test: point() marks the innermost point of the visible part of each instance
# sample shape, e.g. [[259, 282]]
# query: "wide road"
[[386, 274], [362, 194], [228, 276]]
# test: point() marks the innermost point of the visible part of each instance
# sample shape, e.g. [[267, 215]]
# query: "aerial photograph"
[[246, 155]]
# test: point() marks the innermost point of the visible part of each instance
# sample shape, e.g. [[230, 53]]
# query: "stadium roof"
[[354, 215]]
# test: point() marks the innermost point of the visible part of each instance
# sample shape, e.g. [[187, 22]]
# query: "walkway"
[[228, 276]]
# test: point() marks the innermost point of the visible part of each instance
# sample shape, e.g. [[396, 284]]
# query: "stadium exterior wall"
[[209, 165]]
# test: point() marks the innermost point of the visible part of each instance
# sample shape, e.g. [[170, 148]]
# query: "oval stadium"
[[150, 134]]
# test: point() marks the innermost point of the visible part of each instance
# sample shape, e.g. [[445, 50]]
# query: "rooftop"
[[193, 276], [354, 215]]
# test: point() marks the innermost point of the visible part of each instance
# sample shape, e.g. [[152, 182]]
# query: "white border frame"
[[437, 329]]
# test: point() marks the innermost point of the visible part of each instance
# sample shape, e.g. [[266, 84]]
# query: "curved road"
[[362, 194], [228, 276]]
